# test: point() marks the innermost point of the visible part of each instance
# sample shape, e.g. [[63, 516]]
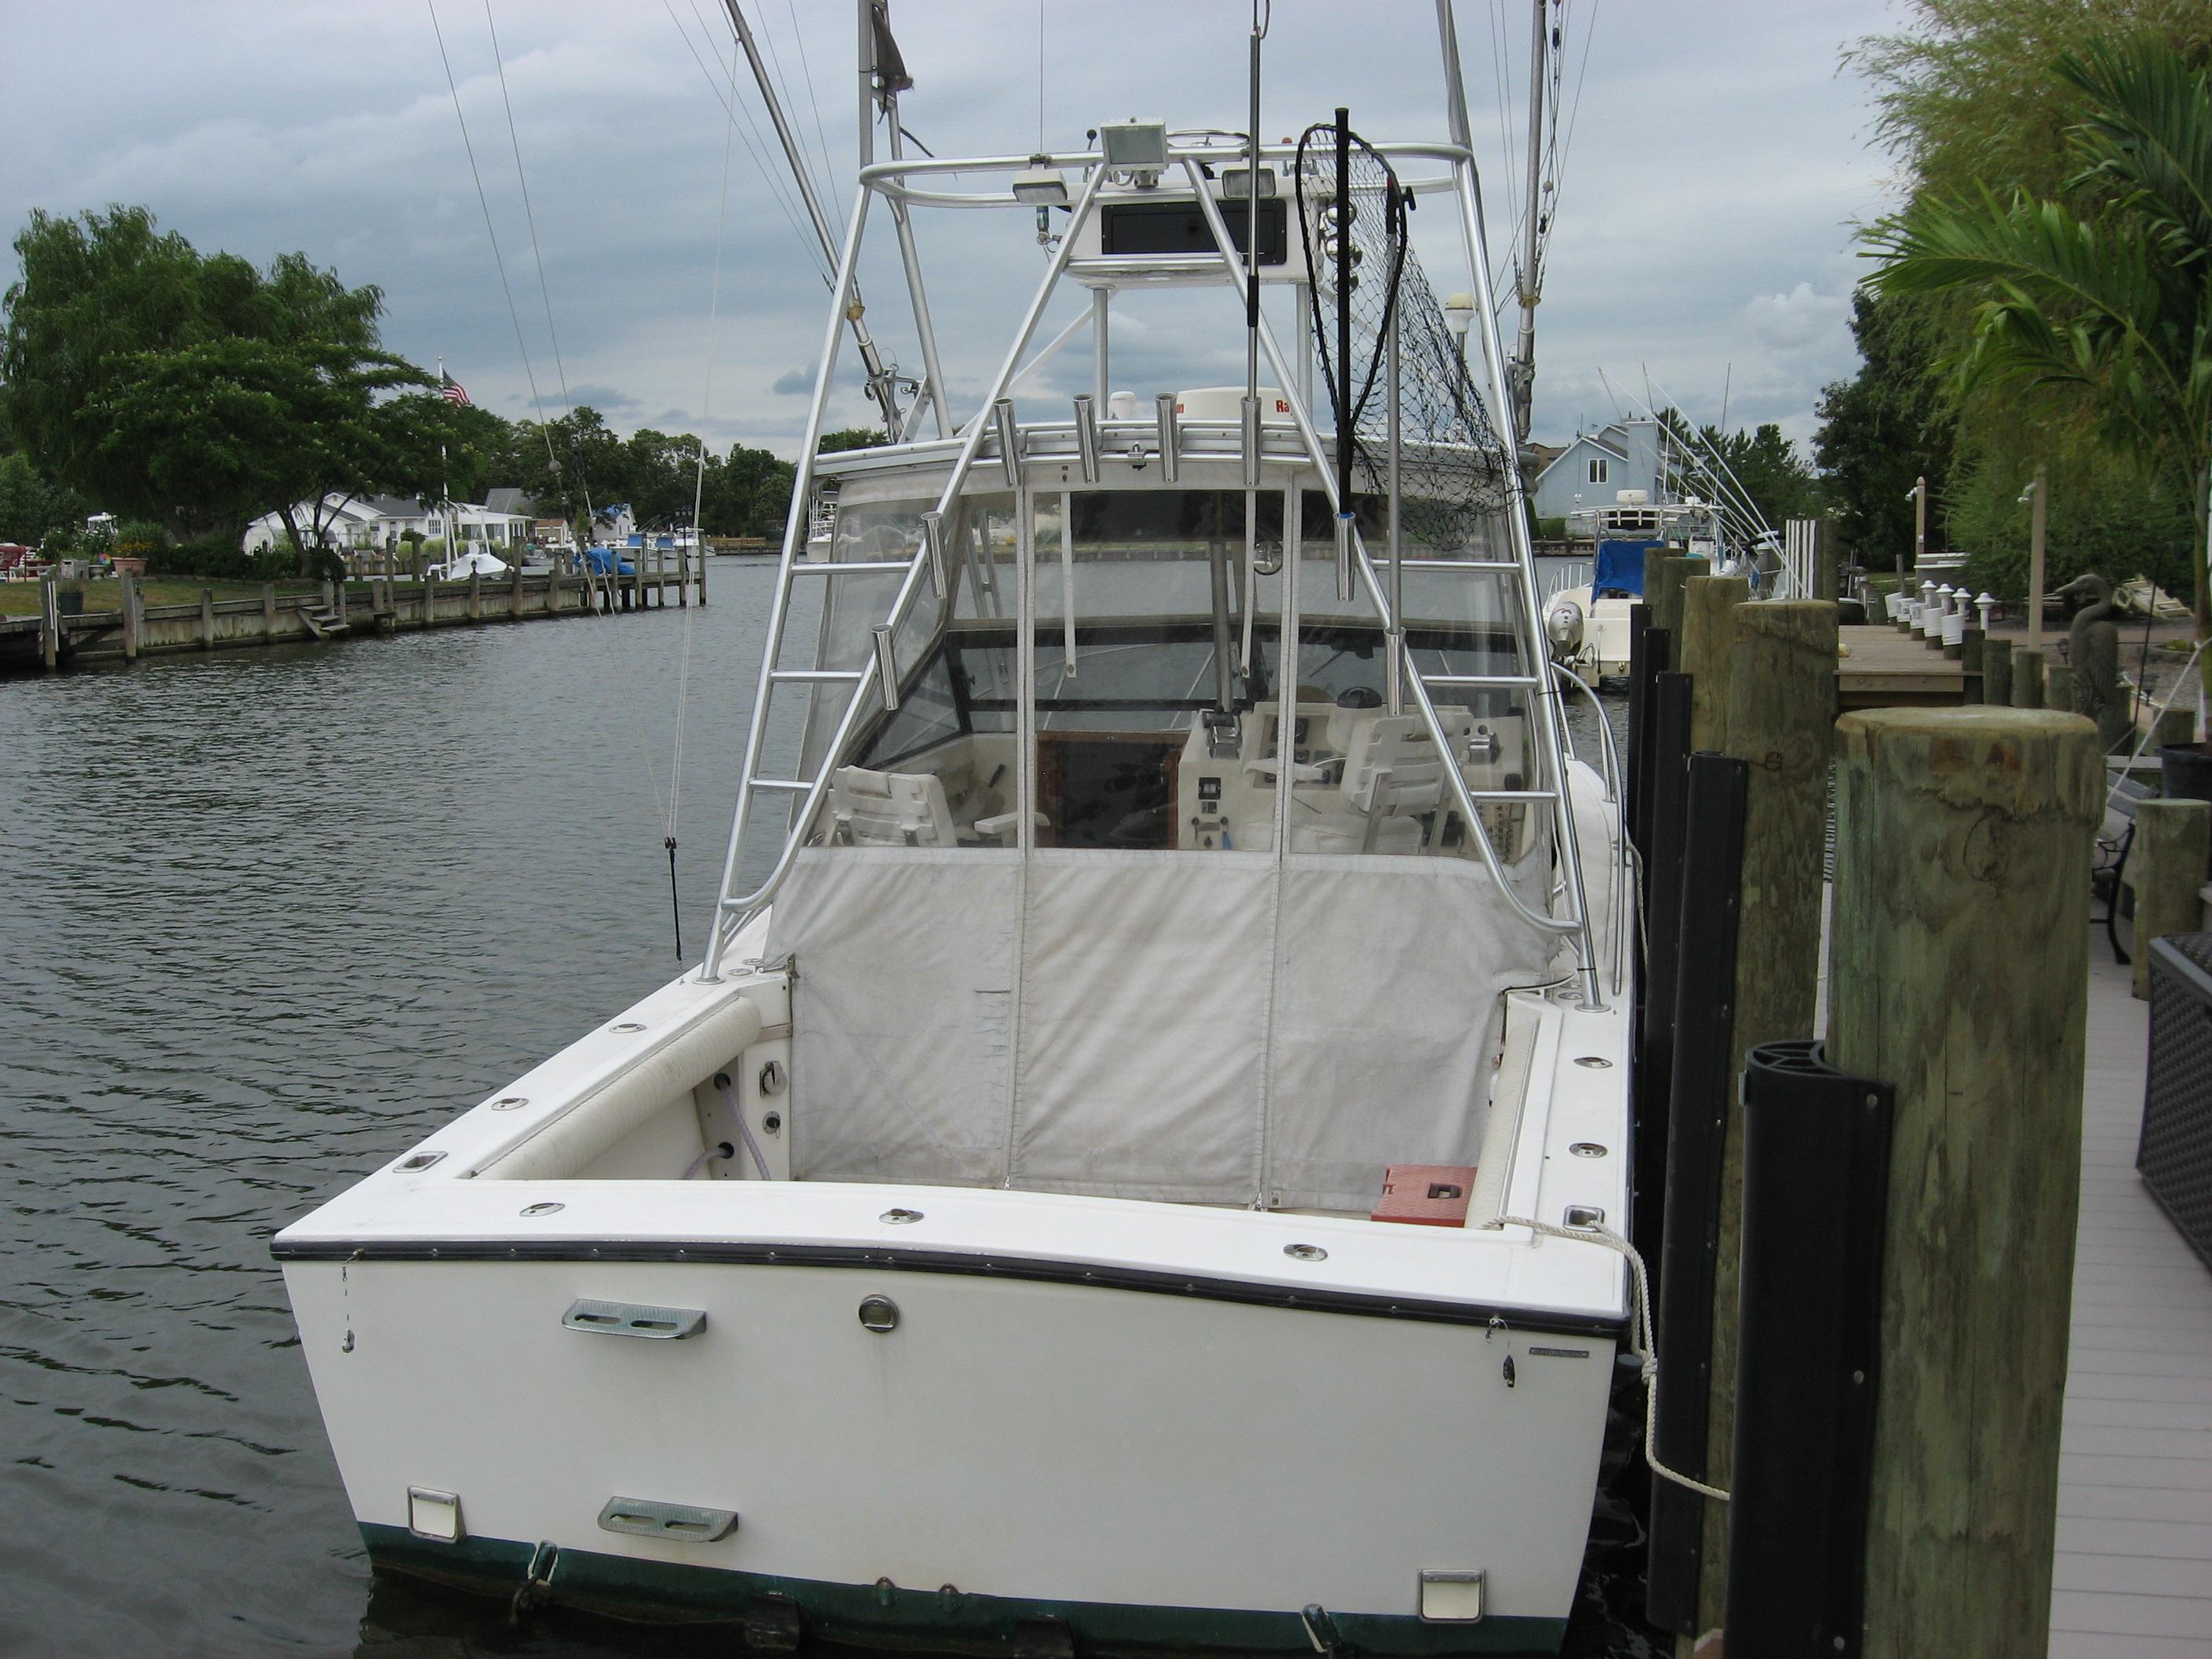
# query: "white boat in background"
[[1136, 1167]]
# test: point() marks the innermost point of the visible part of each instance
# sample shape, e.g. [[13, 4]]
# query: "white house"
[[373, 523]]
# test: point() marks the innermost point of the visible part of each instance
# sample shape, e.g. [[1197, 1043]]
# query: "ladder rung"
[[852, 568], [1511, 794], [1480, 679], [1472, 567], [815, 676], [788, 786]]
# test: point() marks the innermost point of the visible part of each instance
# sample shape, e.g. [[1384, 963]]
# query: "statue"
[[2093, 648]]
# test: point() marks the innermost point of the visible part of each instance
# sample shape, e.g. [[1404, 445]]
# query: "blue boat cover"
[[1621, 568]]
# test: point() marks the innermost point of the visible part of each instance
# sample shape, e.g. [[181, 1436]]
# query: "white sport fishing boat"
[[1137, 1167]]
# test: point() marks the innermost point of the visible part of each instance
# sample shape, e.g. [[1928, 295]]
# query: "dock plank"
[[2132, 1577]]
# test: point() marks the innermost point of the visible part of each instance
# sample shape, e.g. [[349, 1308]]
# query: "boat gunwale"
[[1035, 1269]]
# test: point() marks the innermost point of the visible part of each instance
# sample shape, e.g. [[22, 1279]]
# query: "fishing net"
[[1456, 473]]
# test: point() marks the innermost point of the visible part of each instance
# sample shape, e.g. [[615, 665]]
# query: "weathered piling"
[[1781, 711], [2173, 728], [2166, 866], [2027, 677], [1996, 672], [2058, 687], [1707, 654], [1970, 664], [129, 584], [207, 619], [50, 621], [1963, 835], [1666, 598]]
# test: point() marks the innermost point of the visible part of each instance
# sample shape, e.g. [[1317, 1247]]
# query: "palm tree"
[[2104, 315]]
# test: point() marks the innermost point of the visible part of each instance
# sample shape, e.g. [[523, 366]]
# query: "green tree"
[[114, 317], [2097, 308], [32, 505], [751, 494], [850, 437], [1892, 423], [571, 463], [236, 427]]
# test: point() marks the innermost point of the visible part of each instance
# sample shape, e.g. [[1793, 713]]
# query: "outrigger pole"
[[883, 380]]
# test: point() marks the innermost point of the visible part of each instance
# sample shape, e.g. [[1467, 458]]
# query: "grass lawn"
[[22, 598]]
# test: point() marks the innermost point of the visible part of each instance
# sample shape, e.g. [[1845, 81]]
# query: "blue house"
[[1593, 469]]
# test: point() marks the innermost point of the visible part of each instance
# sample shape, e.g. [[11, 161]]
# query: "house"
[[1592, 470], [380, 524]]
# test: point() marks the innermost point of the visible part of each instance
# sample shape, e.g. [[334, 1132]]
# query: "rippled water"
[[266, 919]]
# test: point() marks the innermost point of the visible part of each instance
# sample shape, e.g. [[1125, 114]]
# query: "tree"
[[1895, 422], [850, 437], [749, 494], [2096, 307], [32, 505], [571, 463], [200, 390], [236, 426]]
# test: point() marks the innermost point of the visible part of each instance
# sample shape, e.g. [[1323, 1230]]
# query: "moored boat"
[[1139, 1164]]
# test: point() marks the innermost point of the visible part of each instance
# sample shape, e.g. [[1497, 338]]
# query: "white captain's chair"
[[1391, 774], [888, 809]]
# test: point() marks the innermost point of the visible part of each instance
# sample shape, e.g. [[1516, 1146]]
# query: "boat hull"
[[1155, 1466]]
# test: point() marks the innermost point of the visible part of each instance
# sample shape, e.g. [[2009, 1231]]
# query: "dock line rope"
[[1639, 1336]]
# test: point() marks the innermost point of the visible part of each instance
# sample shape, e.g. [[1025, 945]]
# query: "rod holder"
[[1393, 669], [1251, 443], [1344, 558], [1010, 440], [933, 536], [887, 667], [1170, 438], [1086, 434]]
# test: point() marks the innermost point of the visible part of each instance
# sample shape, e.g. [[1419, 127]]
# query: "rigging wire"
[[828, 170], [529, 215], [809, 245], [699, 490], [802, 161], [484, 202]]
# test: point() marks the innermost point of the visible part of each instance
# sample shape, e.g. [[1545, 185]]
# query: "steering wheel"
[[1359, 697]]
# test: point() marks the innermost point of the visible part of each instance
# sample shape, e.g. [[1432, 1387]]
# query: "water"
[[266, 919]]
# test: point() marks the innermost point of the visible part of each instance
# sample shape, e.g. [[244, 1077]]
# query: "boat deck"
[[2133, 1575], [1882, 668]]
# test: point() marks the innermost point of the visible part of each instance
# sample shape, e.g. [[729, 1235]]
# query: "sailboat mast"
[[881, 383], [1522, 373]]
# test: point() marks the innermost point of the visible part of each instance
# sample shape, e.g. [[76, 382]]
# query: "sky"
[[1718, 156]]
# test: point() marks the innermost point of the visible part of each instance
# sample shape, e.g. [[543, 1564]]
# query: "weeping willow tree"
[[2091, 308]]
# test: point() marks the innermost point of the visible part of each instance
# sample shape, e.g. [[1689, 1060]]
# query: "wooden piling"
[[1996, 672], [702, 556], [1962, 835], [2173, 728], [1707, 654], [475, 595], [50, 622], [514, 588], [2058, 687], [1781, 711], [132, 615], [207, 619], [2166, 868], [1970, 664], [269, 613], [2027, 677], [682, 577], [1665, 600]]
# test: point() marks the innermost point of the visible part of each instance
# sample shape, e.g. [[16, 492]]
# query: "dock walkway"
[[1882, 668], [2133, 1575]]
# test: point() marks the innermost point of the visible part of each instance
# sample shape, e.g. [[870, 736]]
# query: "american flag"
[[453, 391]]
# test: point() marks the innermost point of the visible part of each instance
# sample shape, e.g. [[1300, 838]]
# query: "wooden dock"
[[2133, 1575], [1882, 668]]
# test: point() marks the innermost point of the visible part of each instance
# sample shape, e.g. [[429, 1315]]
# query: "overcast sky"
[[1717, 162]]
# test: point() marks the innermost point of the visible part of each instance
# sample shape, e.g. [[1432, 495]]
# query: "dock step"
[[323, 624]]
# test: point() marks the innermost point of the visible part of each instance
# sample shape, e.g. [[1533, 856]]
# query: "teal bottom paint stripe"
[[939, 1620]]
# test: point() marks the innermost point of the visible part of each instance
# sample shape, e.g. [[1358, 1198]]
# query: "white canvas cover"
[[900, 1012], [1196, 1028]]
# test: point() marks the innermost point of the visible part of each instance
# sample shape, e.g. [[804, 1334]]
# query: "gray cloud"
[[1703, 241], [793, 383]]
